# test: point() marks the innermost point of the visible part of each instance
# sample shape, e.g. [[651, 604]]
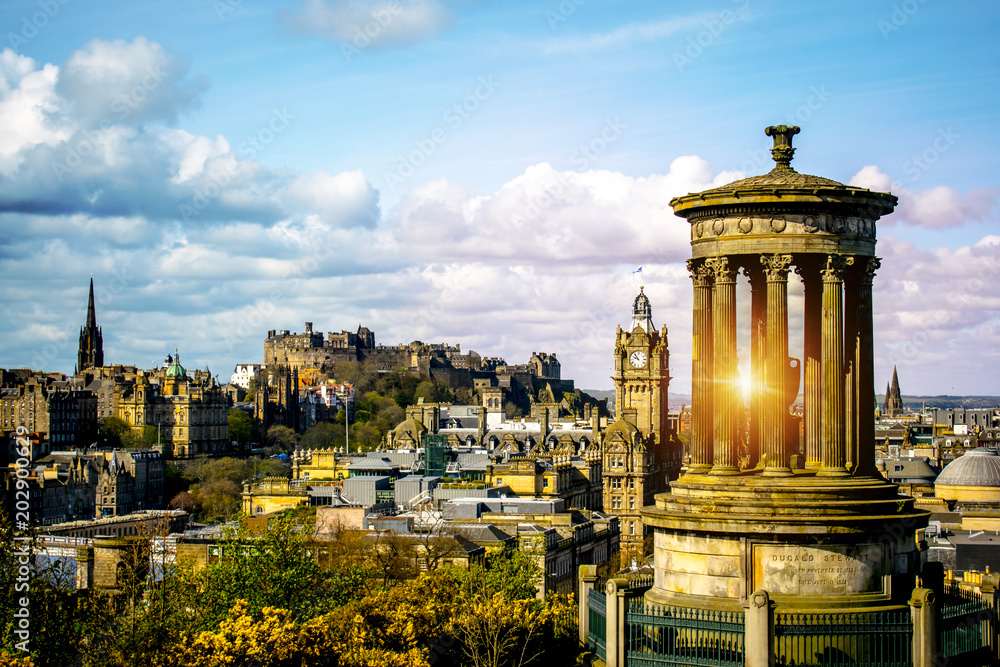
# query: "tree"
[[282, 437], [240, 427], [219, 499], [185, 501], [115, 432], [498, 631], [320, 436]]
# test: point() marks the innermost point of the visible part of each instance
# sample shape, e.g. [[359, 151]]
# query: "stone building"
[[640, 450], [314, 356], [188, 409], [59, 410], [276, 401]]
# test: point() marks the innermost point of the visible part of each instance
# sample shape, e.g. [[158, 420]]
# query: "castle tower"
[[893, 398], [637, 446], [91, 350], [830, 534]]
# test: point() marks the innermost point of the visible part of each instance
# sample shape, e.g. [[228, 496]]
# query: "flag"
[[639, 270]]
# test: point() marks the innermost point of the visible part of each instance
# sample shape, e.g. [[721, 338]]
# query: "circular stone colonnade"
[[820, 531]]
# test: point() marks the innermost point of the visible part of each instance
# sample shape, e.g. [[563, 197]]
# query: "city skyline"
[[471, 173]]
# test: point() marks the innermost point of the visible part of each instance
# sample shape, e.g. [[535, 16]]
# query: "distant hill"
[[946, 401], [676, 400]]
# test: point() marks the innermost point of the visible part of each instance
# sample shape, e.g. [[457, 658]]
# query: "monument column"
[[851, 367], [725, 398], [866, 371], [812, 316], [758, 336], [701, 368], [833, 443], [776, 366]]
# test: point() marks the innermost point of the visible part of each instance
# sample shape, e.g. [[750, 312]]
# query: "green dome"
[[175, 370]]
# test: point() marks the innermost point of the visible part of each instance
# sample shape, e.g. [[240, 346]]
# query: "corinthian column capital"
[[869, 268], [776, 267], [700, 272], [835, 266], [720, 267]]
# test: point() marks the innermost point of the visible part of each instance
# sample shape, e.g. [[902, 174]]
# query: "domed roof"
[[175, 369], [782, 178], [642, 313], [785, 188], [978, 467]]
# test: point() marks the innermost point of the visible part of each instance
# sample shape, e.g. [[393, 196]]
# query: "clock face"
[[637, 359]]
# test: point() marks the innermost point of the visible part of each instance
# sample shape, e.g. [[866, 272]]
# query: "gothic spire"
[[91, 311], [91, 350]]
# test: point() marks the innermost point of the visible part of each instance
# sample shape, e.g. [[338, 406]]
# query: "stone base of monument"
[[813, 543]]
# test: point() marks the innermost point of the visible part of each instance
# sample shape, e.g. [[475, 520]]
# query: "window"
[[631, 503], [631, 527], [631, 484]]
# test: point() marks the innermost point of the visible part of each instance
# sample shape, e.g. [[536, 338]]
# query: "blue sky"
[[485, 173]]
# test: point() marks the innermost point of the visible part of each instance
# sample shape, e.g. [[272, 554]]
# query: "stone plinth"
[[811, 542]]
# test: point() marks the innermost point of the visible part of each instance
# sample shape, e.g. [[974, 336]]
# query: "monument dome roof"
[[978, 467], [784, 187]]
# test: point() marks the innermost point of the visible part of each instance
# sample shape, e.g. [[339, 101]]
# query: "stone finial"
[[782, 151]]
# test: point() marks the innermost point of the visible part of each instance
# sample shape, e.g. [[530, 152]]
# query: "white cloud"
[[344, 199], [935, 207], [627, 35], [89, 138], [369, 23], [127, 83]]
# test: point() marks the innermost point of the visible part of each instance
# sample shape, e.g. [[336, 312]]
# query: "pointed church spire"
[[893, 397], [91, 311], [91, 350]]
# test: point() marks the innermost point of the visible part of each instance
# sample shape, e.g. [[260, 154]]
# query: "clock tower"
[[640, 451]]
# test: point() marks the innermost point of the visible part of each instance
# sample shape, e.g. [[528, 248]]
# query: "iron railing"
[[597, 622], [963, 627], [661, 635], [875, 639]]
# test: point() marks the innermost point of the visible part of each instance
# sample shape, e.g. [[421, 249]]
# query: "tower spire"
[[91, 311], [91, 350]]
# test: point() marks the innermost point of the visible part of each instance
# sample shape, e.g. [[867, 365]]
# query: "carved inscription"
[[830, 570]]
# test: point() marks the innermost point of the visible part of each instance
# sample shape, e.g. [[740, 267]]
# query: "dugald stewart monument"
[[820, 533], [771, 548]]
